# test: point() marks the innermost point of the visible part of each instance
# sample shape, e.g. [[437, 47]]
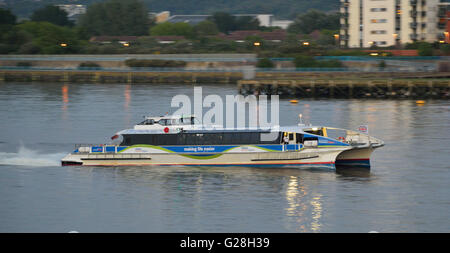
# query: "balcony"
[[423, 14], [413, 14], [344, 26], [441, 26], [413, 25], [413, 36], [413, 2]]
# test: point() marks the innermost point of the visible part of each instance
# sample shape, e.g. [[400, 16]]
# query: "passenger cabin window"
[[315, 132], [147, 122], [164, 122], [218, 138]]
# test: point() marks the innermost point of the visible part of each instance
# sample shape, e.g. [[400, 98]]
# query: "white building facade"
[[366, 23]]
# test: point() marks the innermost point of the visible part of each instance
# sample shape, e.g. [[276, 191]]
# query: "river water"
[[406, 190]]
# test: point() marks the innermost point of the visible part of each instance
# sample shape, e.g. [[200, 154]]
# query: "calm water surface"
[[407, 189]]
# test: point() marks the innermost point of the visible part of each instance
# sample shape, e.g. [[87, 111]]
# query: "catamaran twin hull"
[[290, 155]]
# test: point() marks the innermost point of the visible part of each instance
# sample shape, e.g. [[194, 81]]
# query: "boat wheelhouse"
[[180, 140]]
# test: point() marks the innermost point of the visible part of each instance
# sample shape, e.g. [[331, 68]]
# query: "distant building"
[[190, 19], [169, 39], [384, 23], [160, 17], [283, 24], [74, 11], [127, 40], [266, 20], [113, 39]]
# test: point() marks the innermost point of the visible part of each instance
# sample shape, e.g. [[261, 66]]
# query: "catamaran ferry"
[[179, 140]]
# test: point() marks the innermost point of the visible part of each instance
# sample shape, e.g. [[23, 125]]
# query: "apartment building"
[[365, 23]]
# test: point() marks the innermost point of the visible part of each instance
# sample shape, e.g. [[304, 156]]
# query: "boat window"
[[315, 131], [291, 136], [147, 122], [299, 138], [164, 122]]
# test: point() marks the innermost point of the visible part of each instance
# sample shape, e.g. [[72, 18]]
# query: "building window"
[[378, 9], [378, 20], [378, 32], [381, 43]]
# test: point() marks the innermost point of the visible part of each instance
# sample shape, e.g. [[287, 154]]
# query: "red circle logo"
[[166, 130]]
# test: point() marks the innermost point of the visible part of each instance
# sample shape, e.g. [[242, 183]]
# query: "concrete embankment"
[[349, 88], [89, 76]]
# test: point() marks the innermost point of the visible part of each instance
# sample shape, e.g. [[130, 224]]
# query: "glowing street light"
[[257, 44], [63, 44], [305, 43]]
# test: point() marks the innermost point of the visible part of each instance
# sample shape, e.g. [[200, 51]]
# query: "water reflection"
[[316, 212], [126, 104], [65, 96]]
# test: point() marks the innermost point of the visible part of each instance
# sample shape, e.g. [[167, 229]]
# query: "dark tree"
[[116, 17], [314, 20], [224, 21], [246, 23], [6, 17], [52, 14]]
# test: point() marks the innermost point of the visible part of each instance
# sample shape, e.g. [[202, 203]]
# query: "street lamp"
[[336, 38], [257, 44], [306, 43], [63, 44]]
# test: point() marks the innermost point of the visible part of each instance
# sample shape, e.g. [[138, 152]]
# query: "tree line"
[[285, 9]]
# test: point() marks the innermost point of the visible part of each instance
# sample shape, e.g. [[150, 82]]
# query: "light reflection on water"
[[406, 190]]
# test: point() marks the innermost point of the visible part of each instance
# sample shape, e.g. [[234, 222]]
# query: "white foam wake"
[[28, 157]]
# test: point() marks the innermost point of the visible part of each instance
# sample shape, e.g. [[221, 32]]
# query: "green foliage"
[[6, 17], [246, 23], [116, 17], [303, 61], [327, 38], [264, 63], [47, 38], [52, 14], [445, 49], [167, 28], [206, 28], [314, 20], [425, 49], [225, 22], [137, 63]]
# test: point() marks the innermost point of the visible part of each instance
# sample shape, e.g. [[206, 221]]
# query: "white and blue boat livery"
[[179, 140]]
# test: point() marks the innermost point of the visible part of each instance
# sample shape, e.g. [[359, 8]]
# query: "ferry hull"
[[322, 158], [359, 157]]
